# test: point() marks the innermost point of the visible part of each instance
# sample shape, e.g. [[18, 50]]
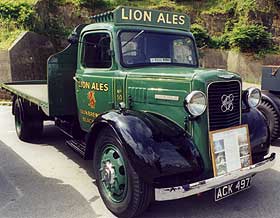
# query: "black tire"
[[138, 195], [29, 126], [272, 118]]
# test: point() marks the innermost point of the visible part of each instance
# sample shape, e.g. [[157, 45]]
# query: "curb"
[[5, 103]]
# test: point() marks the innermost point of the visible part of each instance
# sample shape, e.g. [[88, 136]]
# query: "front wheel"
[[124, 193]]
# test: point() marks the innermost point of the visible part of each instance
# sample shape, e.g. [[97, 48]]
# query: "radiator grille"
[[224, 105]]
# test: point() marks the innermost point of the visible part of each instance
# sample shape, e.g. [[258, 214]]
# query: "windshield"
[[154, 48]]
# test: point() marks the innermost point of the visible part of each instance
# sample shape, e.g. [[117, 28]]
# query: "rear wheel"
[[29, 125], [272, 118], [124, 193]]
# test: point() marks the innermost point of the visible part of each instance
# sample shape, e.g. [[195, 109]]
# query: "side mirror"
[[73, 38]]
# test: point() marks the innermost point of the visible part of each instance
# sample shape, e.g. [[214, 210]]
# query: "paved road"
[[49, 180]]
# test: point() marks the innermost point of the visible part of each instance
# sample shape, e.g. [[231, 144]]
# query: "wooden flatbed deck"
[[38, 92], [34, 91]]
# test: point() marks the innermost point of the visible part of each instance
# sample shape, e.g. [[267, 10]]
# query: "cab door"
[[94, 81]]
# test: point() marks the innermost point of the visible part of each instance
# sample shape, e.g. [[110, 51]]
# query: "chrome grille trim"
[[220, 117]]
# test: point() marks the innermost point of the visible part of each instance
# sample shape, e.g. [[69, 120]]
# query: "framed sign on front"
[[230, 149]]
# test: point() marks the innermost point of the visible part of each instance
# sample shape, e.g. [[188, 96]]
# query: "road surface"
[[49, 180]]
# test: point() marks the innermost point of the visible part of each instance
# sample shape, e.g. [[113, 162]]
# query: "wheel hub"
[[113, 174], [108, 173]]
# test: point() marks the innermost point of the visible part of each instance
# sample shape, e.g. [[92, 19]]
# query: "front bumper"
[[171, 193]]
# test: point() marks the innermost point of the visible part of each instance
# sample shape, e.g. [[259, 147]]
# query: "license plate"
[[232, 188]]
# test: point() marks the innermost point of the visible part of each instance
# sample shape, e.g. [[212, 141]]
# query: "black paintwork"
[[163, 153], [259, 132], [156, 147]]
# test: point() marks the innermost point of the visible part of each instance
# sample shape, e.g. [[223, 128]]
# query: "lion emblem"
[[92, 100]]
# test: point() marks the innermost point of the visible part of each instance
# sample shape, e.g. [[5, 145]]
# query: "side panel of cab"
[[94, 76]]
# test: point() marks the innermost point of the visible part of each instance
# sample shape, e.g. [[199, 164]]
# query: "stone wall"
[[28, 56], [63, 16], [5, 68], [215, 23], [249, 67], [26, 59], [5, 72]]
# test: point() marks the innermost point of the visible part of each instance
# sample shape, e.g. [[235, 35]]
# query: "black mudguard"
[[259, 132], [155, 146]]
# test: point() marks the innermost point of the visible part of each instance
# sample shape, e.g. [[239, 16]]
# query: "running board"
[[77, 146]]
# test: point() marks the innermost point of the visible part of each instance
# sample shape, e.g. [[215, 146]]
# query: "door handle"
[[76, 79]]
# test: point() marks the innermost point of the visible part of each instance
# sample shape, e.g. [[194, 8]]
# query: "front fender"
[[155, 146], [258, 130]]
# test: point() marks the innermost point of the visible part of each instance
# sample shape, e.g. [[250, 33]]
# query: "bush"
[[201, 35], [220, 41], [23, 13], [250, 38], [91, 3]]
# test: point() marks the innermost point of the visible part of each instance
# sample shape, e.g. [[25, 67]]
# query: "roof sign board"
[[144, 17], [135, 16]]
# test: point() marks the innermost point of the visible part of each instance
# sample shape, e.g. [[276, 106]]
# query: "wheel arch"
[[258, 131], [92, 135]]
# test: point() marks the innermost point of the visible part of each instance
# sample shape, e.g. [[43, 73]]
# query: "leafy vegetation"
[[250, 38], [201, 35], [220, 41], [15, 17], [240, 30], [7, 37], [23, 13]]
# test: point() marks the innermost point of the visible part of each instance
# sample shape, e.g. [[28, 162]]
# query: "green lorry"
[[129, 94]]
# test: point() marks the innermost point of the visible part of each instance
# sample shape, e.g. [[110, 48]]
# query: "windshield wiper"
[[133, 38]]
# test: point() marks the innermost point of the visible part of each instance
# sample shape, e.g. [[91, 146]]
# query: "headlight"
[[254, 97], [195, 103]]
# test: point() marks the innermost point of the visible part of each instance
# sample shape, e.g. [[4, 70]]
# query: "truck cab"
[[129, 93]]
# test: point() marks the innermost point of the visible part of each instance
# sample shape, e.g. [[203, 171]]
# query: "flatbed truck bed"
[[34, 91]]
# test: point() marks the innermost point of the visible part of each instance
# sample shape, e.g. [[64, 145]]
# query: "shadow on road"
[[26, 193], [52, 136]]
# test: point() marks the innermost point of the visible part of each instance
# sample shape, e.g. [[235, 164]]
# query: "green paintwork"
[[115, 191], [104, 100], [61, 86], [137, 87], [200, 127], [176, 81]]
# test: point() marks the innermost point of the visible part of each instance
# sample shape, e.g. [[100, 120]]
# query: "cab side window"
[[96, 51]]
